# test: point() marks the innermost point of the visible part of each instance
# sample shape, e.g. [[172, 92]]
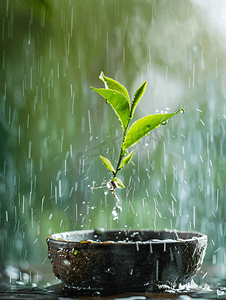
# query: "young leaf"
[[143, 126], [126, 159], [119, 183], [137, 96], [118, 102], [114, 85], [107, 163]]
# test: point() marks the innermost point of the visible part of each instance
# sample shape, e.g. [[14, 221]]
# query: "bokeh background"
[[53, 127]]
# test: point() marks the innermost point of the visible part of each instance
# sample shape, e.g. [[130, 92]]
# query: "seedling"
[[117, 96]]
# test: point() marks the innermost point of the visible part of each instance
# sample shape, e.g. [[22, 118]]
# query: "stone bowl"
[[117, 261]]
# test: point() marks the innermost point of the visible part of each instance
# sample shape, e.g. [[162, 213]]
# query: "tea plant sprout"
[[117, 96]]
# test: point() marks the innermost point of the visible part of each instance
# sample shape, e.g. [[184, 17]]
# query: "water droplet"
[[116, 212], [109, 184], [164, 122], [106, 192], [182, 110], [97, 279], [66, 263], [111, 271]]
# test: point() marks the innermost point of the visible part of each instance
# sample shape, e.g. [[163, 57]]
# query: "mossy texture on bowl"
[[116, 261]]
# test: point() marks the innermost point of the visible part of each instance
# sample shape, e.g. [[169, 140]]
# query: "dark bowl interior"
[[116, 261]]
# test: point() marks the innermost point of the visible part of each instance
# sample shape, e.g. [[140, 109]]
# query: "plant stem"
[[120, 159], [121, 151]]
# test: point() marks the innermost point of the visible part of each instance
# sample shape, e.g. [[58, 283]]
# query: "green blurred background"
[[53, 127]]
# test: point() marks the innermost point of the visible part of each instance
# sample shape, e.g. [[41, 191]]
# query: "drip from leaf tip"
[[164, 122]]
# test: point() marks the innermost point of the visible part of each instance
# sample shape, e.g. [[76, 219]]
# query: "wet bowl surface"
[[116, 261]]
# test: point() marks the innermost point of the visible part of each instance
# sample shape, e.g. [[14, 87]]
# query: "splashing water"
[[189, 287]]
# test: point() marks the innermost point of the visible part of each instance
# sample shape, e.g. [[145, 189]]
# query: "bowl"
[[118, 261]]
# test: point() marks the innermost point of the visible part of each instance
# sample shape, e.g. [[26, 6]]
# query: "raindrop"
[[97, 278], [43, 199], [151, 250], [66, 263], [157, 270], [116, 212], [202, 122], [111, 271], [182, 110], [164, 122], [109, 185]]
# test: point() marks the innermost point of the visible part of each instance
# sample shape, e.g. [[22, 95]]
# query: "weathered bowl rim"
[[200, 237]]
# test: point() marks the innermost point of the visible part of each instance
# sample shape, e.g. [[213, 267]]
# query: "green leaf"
[[143, 126], [114, 85], [126, 159], [137, 96], [107, 163], [118, 102], [119, 183]]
